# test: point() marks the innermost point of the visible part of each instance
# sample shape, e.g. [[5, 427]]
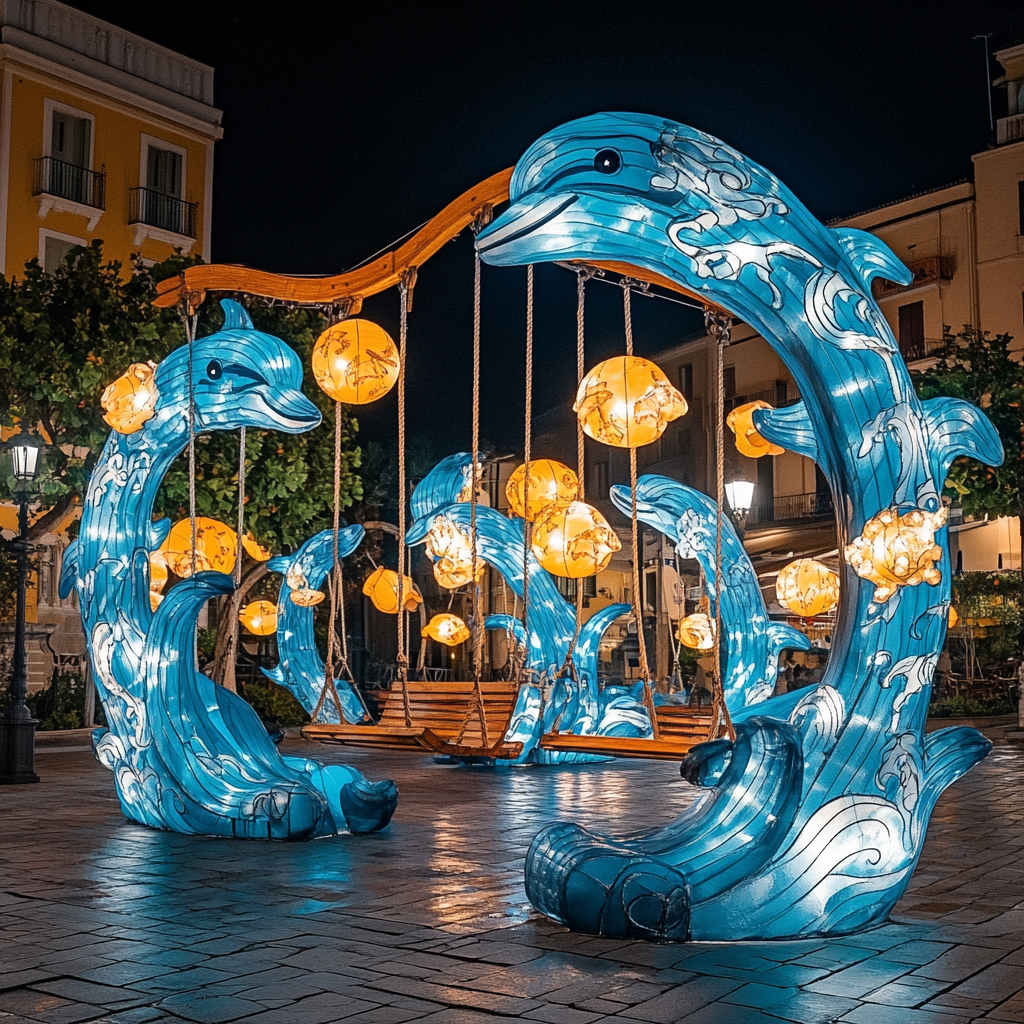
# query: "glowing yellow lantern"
[[130, 400], [451, 551], [259, 617], [254, 549], [627, 402], [748, 441], [548, 482], [697, 631], [447, 629], [355, 361], [306, 598], [953, 617], [807, 588], [571, 538], [381, 587], [895, 551], [157, 578], [215, 547]]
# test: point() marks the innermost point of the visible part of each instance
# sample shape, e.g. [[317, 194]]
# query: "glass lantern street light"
[[18, 727], [740, 494]]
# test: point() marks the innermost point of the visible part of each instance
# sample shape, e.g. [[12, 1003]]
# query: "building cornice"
[[912, 206], [114, 96]]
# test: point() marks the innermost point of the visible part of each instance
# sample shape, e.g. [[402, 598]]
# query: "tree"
[[980, 368], [65, 336]]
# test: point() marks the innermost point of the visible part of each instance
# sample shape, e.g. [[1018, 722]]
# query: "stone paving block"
[[208, 1009], [760, 996], [874, 1013], [1011, 1010], [561, 1015], [811, 1008], [676, 1003], [902, 993], [995, 983], [917, 951], [448, 994], [138, 1015], [959, 963], [19, 979], [90, 992]]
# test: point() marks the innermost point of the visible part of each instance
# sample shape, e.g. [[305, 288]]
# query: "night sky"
[[345, 129]]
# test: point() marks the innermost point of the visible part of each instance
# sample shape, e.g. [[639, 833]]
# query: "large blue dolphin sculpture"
[[188, 755], [815, 816]]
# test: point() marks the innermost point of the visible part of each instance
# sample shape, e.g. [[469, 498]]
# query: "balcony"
[[66, 181], [922, 349], [927, 271], [782, 508], [1009, 129], [165, 213]]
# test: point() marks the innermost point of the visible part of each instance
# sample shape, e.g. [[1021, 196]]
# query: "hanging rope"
[[241, 507], [718, 326], [644, 668], [527, 445], [405, 293], [190, 317], [582, 274]]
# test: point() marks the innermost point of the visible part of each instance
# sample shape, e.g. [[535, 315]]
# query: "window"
[[159, 201], [69, 139], [567, 587], [686, 380], [54, 247], [64, 170], [651, 590], [163, 172], [601, 479], [911, 330]]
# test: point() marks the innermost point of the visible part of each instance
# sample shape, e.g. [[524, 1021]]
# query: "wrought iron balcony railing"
[[779, 508], [148, 206], [58, 178]]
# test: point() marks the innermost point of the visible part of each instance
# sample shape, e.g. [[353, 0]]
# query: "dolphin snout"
[[292, 410]]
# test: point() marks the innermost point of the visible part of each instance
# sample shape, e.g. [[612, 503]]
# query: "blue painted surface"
[[300, 669], [814, 818], [188, 755]]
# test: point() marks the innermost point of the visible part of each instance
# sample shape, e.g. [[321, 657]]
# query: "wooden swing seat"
[[438, 711], [680, 729]]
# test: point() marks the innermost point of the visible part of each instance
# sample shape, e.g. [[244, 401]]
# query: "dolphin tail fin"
[[275, 674], [780, 636], [871, 257], [956, 427], [281, 564], [790, 428]]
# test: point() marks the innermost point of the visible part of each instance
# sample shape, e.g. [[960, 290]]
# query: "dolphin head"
[[241, 377], [637, 189]]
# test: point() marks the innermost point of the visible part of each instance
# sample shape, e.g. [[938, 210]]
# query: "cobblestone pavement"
[[107, 921]]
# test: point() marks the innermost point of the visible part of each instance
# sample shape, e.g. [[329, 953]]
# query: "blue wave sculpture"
[[753, 643], [188, 755], [575, 705], [300, 668], [816, 814]]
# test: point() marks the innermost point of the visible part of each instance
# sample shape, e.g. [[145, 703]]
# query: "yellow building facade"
[[103, 135]]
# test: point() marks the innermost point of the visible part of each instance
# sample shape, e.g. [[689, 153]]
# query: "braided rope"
[[718, 325], [644, 667], [190, 334], [403, 336], [241, 507], [527, 447]]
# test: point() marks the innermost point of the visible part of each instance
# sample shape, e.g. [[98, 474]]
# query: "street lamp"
[[741, 496], [18, 727]]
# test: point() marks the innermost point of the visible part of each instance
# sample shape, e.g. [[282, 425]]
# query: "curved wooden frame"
[[384, 272]]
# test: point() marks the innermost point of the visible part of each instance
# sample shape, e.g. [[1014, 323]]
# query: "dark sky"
[[348, 125]]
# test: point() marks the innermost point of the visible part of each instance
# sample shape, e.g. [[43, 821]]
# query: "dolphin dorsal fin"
[[235, 316], [870, 256]]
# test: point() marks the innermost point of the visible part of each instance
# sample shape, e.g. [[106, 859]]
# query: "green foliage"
[[206, 644], [65, 336], [991, 595], [969, 707], [274, 703], [8, 582], [977, 367], [69, 710]]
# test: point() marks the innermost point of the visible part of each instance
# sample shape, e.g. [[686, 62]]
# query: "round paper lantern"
[[897, 550], [451, 551], [259, 617], [807, 588], [748, 441], [697, 631], [953, 617], [573, 539], [381, 587], [157, 578], [130, 400], [627, 402], [355, 361], [215, 547], [447, 629], [306, 598], [548, 482]]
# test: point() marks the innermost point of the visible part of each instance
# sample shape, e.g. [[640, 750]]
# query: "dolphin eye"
[[214, 371], [607, 161]]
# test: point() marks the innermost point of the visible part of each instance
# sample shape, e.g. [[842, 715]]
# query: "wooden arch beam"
[[376, 276]]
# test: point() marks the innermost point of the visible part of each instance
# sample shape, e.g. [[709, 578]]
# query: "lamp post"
[[741, 496], [18, 727]]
